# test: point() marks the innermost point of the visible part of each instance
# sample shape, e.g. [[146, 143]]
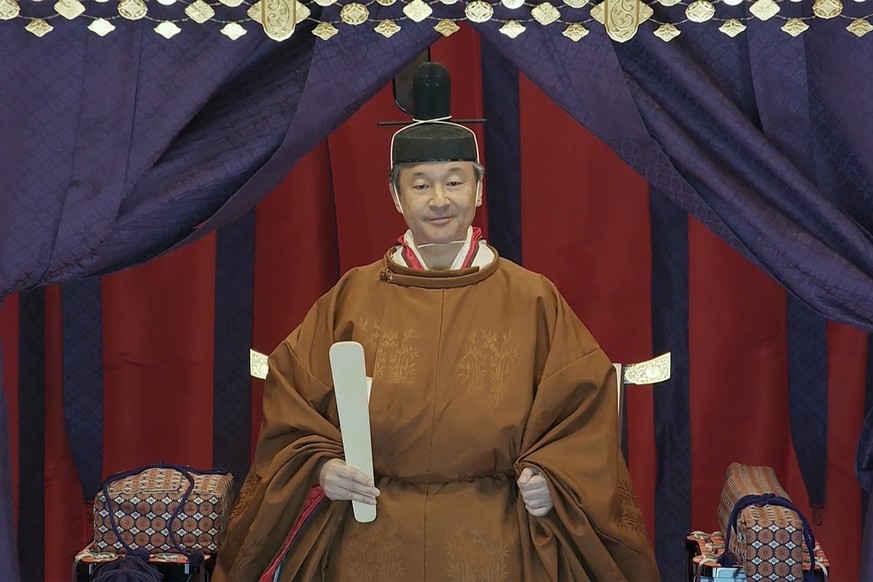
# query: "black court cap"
[[432, 137]]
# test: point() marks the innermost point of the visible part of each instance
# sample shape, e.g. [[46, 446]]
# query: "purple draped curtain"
[[118, 149]]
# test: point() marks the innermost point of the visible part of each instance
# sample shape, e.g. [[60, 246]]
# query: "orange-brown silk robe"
[[476, 374]]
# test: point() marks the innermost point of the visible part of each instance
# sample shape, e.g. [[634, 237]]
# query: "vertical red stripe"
[[9, 337], [296, 256], [367, 223], [64, 499], [158, 332], [738, 370], [585, 225]]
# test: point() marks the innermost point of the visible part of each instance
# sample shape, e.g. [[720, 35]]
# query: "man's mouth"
[[439, 219]]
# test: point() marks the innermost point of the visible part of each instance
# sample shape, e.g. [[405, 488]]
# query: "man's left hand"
[[534, 492]]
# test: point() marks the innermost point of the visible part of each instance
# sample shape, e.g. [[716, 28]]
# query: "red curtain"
[[585, 224]]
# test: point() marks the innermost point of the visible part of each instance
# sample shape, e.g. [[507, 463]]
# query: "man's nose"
[[439, 197]]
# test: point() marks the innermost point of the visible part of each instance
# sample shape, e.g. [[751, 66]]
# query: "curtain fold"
[[666, 112]]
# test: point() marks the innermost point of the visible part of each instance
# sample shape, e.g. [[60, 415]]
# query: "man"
[[492, 412]]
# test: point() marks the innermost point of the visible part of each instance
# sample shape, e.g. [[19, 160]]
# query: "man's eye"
[[420, 186], [454, 183]]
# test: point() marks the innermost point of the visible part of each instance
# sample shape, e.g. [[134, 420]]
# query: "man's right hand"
[[343, 483]]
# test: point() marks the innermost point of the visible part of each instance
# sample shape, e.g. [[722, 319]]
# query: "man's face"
[[438, 200]]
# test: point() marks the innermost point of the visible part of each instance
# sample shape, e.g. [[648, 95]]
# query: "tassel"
[[133, 567]]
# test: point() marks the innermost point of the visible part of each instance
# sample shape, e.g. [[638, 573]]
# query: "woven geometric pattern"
[[144, 503], [703, 549], [768, 539]]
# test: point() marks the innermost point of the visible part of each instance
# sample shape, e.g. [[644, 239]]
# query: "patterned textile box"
[[703, 549], [768, 539], [143, 504]]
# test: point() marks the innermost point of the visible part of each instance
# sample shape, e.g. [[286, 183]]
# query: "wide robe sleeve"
[[595, 530], [298, 432]]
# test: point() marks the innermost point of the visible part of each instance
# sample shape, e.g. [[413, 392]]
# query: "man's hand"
[[534, 492], [343, 483]]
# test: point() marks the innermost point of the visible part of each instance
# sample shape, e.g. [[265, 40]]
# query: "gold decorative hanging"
[[575, 32], [446, 27], [278, 18], [132, 9], [417, 10], [387, 28], [39, 27], [199, 11], [621, 19], [732, 27], [512, 28], [168, 29], [827, 8], [9, 9], [324, 31], [795, 26], [667, 32], [101, 27], [354, 14], [545, 13], [859, 27], [233, 31], [764, 9], [700, 11], [479, 11], [69, 9]]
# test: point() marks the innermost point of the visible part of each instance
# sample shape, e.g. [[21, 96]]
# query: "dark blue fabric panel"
[[232, 408], [808, 395], [671, 402], [31, 435], [83, 379], [502, 151]]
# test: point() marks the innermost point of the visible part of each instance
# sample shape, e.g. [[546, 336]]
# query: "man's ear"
[[478, 193], [395, 197]]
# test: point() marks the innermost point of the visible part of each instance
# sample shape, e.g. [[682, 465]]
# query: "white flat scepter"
[[350, 385]]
